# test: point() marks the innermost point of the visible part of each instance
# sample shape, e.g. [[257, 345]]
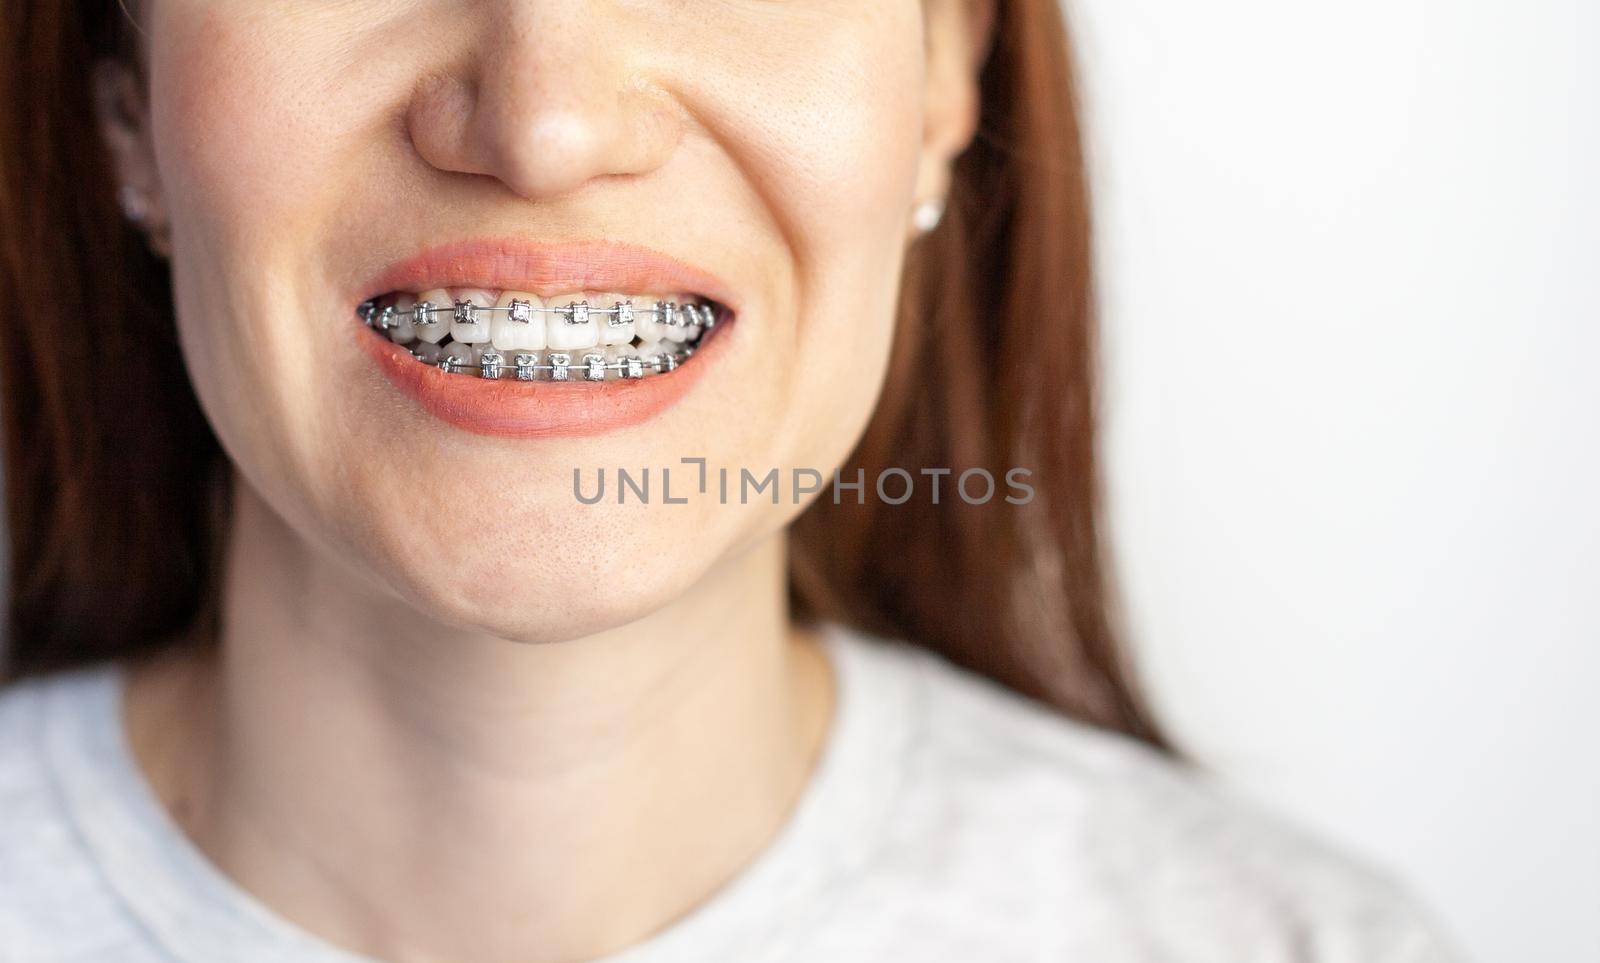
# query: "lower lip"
[[534, 409]]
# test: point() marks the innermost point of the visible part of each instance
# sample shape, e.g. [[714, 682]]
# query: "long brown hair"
[[117, 486]]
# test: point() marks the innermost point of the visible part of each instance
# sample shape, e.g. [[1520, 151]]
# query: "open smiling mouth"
[[513, 335]]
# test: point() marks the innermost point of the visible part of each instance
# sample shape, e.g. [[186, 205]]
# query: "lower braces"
[[558, 365]]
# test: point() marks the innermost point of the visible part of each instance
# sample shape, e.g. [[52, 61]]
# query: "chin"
[[544, 577]]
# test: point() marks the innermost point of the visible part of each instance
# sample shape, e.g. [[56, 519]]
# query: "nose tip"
[[556, 151], [540, 126]]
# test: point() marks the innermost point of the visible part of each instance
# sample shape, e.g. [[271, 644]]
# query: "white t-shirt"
[[947, 820]]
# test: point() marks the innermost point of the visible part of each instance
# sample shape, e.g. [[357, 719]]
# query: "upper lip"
[[548, 269]]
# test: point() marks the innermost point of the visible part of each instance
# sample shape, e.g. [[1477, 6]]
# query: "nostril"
[[437, 120]]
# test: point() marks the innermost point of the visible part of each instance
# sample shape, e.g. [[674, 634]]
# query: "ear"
[[122, 114], [958, 38]]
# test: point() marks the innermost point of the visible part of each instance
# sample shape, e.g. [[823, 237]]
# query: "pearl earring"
[[144, 215], [927, 214], [134, 205]]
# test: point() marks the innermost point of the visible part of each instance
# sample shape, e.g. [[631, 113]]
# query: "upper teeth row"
[[669, 313], [576, 312], [517, 323]]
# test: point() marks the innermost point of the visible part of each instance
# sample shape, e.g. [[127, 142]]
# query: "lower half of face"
[[445, 269]]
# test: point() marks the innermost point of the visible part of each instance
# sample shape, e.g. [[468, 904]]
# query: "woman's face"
[[761, 157]]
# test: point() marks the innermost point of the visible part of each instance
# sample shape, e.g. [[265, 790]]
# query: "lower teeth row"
[[456, 358]]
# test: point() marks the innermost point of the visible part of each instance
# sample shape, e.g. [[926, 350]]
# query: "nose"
[[546, 101]]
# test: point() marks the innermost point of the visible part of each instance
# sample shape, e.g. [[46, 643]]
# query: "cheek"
[[242, 108], [828, 113], [256, 98], [244, 102], [826, 122]]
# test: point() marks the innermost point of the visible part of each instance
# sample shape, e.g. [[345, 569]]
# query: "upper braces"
[[669, 314]]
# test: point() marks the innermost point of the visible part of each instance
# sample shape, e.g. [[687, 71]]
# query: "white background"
[[1352, 317]]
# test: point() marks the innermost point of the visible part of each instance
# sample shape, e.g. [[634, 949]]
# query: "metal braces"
[[560, 365], [669, 314]]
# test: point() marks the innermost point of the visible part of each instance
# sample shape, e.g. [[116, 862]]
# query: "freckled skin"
[[302, 147]]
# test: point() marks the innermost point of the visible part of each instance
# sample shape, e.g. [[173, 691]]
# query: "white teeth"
[[585, 336], [647, 321], [673, 322], [616, 323], [508, 332], [626, 358], [461, 354], [692, 314], [467, 325], [439, 298], [402, 330], [573, 327]]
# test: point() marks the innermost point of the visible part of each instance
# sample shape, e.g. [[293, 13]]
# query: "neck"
[[350, 761]]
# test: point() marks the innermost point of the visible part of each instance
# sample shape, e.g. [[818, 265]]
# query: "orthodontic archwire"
[[670, 314]]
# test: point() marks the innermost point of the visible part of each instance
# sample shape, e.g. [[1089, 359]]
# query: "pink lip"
[[546, 270], [522, 409]]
